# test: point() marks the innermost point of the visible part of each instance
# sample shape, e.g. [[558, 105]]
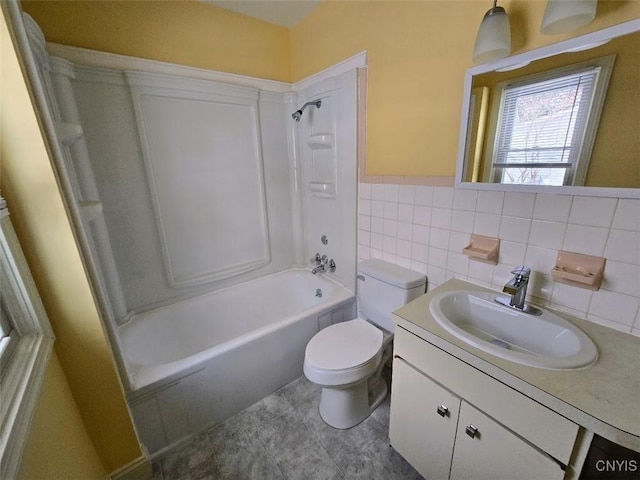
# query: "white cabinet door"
[[494, 453], [423, 421]]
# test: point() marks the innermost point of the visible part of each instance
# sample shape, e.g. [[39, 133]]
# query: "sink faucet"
[[517, 288]]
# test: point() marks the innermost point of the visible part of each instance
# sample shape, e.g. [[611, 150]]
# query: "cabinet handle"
[[471, 430], [443, 411]]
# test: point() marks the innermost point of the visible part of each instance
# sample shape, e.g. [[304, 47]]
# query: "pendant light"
[[562, 16], [494, 36]]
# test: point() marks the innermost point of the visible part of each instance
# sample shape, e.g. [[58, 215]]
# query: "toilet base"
[[346, 407]]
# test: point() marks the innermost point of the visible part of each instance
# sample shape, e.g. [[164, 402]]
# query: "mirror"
[[607, 151]]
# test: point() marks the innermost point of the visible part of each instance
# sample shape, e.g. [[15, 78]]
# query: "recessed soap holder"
[[483, 249], [579, 270]]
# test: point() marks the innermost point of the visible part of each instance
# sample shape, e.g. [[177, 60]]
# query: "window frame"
[[578, 170], [23, 372]]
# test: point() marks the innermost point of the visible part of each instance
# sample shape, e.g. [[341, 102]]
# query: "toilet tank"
[[383, 288]]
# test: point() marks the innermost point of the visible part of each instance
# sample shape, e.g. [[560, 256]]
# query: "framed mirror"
[[564, 118]]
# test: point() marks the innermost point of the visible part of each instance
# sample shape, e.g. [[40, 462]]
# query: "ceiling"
[[285, 13]]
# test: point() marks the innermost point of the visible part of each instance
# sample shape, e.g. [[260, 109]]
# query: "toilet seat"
[[343, 353]]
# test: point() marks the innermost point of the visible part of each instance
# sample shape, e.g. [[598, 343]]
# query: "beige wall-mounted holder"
[[483, 249], [579, 270]]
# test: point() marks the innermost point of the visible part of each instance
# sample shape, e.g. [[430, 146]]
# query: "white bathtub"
[[197, 362]]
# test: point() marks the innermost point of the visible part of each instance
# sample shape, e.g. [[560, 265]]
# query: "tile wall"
[[425, 228]]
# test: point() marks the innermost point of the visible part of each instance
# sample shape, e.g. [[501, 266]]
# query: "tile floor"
[[283, 437]]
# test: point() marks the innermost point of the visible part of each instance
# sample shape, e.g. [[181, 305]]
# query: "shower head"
[[298, 113]]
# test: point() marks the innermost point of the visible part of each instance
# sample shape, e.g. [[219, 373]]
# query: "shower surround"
[[194, 193]]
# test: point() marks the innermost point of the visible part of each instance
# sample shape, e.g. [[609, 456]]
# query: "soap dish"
[[579, 270], [483, 249]]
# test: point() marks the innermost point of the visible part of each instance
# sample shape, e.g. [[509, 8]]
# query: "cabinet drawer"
[[539, 425]]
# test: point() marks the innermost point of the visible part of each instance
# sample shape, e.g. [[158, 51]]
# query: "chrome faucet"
[[517, 288], [323, 264]]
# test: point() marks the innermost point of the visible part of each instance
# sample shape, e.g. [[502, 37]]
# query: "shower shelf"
[[319, 142], [90, 210], [68, 133]]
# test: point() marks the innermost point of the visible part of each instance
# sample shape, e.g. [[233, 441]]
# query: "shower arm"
[[298, 114]]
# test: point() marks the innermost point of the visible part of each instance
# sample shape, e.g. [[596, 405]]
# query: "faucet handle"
[[522, 271], [316, 259]]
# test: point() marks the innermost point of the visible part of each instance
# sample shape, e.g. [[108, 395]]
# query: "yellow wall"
[[184, 32], [38, 215], [59, 446], [417, 53]]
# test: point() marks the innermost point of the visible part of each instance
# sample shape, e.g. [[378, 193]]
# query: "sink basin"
[[544, 341]]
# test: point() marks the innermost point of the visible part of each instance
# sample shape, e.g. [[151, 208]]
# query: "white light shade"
[[494, 37], [562, 16]]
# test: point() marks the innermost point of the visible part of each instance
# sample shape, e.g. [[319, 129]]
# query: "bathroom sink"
[[543, 341]]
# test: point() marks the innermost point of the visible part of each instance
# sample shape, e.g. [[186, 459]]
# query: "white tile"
[[540, 286], [375, 253], [585, 239], [364, 253], [540, 259], [481, 271], [422, 215], [405, 230], [391, 193], [547, 234], [501, 275], [518, 204], [438, 257], [403, 262], [627, 216], [390, 210], [403, 248], [364, 238], [458, 263], [406, 194], [614, 306], [624, 246], [377, 191], [439, 238], [458, 241], [377, 224], [364, 222], [376, 241], [423, 196], [436, 276], [572, 297], [622, 278], [490, 202], [419, 252], [420, 234], [513, 229], [443, 197], [440, 217], [462, 221], [364, 190], [389, 244], [405, 213], [554, 208], [465, 199], [512, 253], [486, 224], [390, 227], [608, 323], [593, 211], [377, 208], [418, 267], [364, 206], [389, 257]]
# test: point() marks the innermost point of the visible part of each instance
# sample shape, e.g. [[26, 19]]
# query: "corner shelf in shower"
[[320, 142], [68, 133], [90, 210]]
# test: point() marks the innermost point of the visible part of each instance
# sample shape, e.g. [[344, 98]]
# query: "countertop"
[[603, 398]]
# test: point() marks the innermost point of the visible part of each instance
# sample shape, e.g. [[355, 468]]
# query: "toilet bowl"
[[346, 359]]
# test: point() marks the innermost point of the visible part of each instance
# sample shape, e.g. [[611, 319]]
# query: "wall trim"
[[137, 469], [356, 61], [409, 180]]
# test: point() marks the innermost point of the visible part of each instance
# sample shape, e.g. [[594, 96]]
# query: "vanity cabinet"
[[450, 420]]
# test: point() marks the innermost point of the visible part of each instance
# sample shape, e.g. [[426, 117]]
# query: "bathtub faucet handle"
[[324, 259], [317, 259]]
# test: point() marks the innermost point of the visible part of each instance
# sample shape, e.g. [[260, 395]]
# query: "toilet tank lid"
[[392, 274]]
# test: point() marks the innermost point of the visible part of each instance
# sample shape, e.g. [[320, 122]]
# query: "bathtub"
[[195, 363]]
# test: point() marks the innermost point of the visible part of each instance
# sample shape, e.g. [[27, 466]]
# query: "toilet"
[[346, 359]]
